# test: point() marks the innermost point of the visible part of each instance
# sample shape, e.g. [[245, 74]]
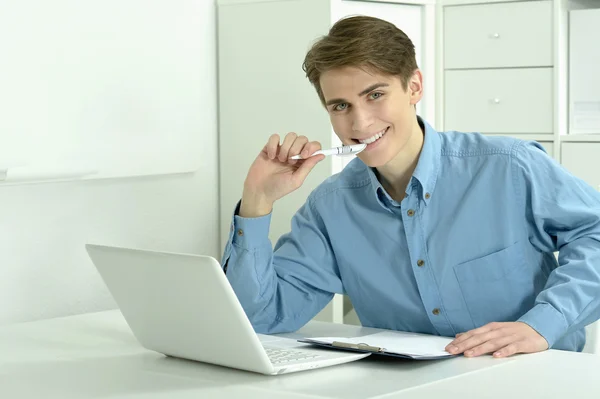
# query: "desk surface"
[[96, 356]]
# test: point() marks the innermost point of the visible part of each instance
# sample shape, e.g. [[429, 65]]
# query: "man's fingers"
[[306, 167], [273, 146], [486, 328], [310, 149], [490, 346], [508, 350], [461, 338], [296, 147], [472, 341], [501, 339], [466, 335], [288, 141]]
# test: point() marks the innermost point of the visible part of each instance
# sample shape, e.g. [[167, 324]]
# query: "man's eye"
[[340, 107], [376, 95]]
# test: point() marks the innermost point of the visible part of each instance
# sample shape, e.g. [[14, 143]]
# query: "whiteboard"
[[106, 88]]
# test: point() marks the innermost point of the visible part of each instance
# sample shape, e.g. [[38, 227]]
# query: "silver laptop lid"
[[180, 305]]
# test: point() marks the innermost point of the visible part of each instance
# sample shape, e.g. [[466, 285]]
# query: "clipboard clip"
[[360, 346]]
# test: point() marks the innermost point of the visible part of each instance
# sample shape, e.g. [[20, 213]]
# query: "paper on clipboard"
[[401, 343]]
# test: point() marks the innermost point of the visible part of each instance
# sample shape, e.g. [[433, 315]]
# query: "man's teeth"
[[372, 139]]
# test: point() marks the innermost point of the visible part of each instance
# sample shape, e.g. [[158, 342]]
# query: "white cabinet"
[[583, 160], [459, 2], [584, 80], [513, 100], [498, 67], [263, 89], [503, 69], [523, 47], [498, 35]]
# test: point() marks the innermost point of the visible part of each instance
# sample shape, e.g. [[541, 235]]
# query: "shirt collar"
[[425, 173], [428, 167]]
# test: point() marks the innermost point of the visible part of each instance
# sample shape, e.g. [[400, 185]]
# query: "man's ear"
[[415, 87]]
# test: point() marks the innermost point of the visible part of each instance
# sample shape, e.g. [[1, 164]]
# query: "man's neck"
[[396, 174]]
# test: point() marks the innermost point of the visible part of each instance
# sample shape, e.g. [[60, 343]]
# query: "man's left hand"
[[501, 339]]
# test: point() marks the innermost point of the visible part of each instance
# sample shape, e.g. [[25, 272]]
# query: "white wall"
[[44, 269]]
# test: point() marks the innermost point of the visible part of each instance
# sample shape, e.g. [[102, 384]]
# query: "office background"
[[45, 271]]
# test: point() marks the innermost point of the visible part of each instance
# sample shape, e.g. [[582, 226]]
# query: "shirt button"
[[420, 263], [410, 212], [240, 232], [427, 195], [435, 311]]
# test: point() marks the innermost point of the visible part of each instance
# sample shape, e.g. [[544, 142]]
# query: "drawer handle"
[[495, 36]]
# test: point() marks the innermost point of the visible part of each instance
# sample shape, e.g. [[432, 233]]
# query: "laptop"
[[183, 306]]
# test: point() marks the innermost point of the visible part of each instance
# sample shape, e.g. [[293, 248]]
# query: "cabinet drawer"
[[498, 35], [456, 2], [583, 160], [499, 100]]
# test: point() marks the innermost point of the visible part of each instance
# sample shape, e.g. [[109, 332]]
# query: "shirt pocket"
[[498, 286]]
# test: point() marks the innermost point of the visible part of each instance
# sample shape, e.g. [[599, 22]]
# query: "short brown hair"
[[363, 42]]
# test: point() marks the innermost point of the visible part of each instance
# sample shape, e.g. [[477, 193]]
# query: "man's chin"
[[374, 162]]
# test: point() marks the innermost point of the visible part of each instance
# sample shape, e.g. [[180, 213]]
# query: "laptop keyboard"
[[278, 356]]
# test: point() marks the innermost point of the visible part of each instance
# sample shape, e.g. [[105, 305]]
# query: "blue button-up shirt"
[[472, 242]]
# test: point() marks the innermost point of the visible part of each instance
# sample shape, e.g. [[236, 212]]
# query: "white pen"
[[343, 150]]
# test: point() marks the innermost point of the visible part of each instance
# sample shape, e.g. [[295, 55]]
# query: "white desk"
[[96, 356]]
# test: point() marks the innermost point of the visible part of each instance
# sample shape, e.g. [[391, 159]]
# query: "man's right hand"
[[273, 174]]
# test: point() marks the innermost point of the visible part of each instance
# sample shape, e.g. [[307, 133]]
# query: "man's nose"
[[362, 120]]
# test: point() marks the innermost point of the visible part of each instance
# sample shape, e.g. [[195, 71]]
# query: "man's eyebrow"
[[362, 93], [372, 87]]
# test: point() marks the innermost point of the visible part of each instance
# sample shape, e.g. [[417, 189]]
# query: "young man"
[[439, 233]]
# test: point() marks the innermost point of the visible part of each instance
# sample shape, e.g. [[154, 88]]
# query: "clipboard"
[[376, 350]]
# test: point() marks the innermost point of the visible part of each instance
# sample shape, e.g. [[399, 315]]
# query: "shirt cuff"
[[547, 321], [251, 233]]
